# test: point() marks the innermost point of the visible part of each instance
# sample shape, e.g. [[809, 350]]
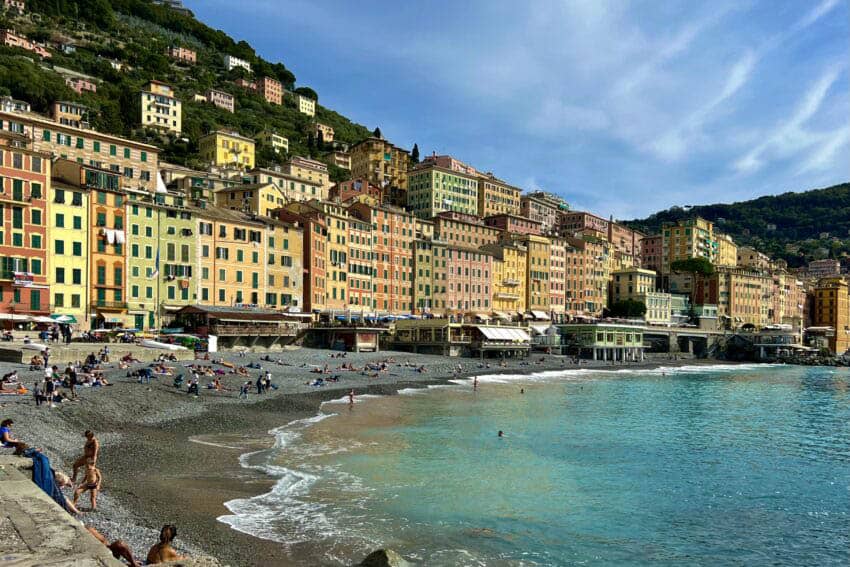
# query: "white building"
[[306, 105], [231, 62]]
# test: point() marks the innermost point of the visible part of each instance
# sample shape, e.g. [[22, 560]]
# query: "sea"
[[696, 465]]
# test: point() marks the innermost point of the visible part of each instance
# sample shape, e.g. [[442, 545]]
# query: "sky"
[[621, 107]]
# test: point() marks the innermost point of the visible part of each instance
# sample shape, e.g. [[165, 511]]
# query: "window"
[[78, 223], [58, 196], [35, 190], [113, 150], [77, 276], [126, 153], [77, 248], [118, 273], [59, 300], [36, 241], [60, 220], [96, 146], [35, 216], [101, 275], [59, 247], [77, 199], [60, 275]]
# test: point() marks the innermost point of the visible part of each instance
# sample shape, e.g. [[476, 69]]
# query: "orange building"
[[314, 251]]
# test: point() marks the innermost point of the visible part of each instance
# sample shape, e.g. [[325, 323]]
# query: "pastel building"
[[70, 114], [325, 131], [380, 163], [253, 198], [433, 189], [557, 278], [638, 284], [314, 251], [513, 224], [689, 238], [542, 207], [11, 39], [81, 85], [277, 142], [310, 170], [651, 252], [231, 62], [305, 105], [509, 279], [293, 188], [160, 108], [134, 162], [832, 312], [463, 230], [221, 99], [24, 186], [182, 54], [68, 221], [227, 149], [742, 295], [496, 197]]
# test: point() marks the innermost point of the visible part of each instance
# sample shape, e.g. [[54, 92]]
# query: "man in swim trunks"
[[119, 549], [163, 551], [90, 452], [92, 480]]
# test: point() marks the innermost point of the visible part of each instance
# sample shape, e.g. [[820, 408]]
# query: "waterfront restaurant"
[[452, 338], [603, 341], [241, 326]]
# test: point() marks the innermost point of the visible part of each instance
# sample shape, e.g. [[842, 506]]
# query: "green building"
[[434, 189], [603, 341], [160, 257]]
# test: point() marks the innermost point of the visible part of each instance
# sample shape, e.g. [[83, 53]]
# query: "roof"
[[234, 313], [229, 134]]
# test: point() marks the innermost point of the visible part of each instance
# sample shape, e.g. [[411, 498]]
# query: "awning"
[[60, 318], [540, 315], [540, 329], [504, 333], [501, 315], [482, 316]]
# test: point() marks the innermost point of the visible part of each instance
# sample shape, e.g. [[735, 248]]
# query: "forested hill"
[[137, 33], [797, 227]]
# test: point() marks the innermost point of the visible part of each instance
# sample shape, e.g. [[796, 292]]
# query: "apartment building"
[[463, 230], [277, 142], [81, 85], [231, 262], [310, 170], [512, 224], [510, 265], [11, 39], [160, 108], [832, 309], [314, 252], [285, 265], [380, 163], [292, 187], [468, 280], [305, 105], [25, 176], [496, 197], [337, 221], [270, 89], [252, 198], [544, 208], [638, 284], [68, 224], [136, 163], [538, 272], [392, 248], [70, 114], [326, 132], [226, 148], [742, 295], [231, 62], [727, 251], [360, 266], [345, 191], [341, 159], [182, 54], [651, 255], [749, 257], [587, 275], [824, 268], [557, 278], [433, 189], [221, 99], [688, 238]]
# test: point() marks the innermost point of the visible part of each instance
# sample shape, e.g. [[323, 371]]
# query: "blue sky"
[[623, 108]]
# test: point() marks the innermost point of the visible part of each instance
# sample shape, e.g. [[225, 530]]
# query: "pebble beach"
[[168, 457]]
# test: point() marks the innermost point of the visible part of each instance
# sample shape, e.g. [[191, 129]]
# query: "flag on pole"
[[155, 272]]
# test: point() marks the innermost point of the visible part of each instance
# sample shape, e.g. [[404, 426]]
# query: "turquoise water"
[[719, 466]]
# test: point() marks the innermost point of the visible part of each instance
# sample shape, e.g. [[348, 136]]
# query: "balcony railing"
[[109, 304]]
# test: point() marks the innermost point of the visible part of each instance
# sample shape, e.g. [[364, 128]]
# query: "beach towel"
[[42, 475]]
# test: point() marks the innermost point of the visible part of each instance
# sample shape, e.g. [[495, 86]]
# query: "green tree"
[[694, 266], [308, 92], [377, 132], [414, 153]]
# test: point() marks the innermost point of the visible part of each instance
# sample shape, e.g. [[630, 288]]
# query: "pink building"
[[651, 251], [271, 90], [10, 39], [80, 85], [464, 230], [221, 99], [575, 221], [557, 278], [514, 224], [345, 190], [448, 162], [467, 280], [543, 208], [182, 54]]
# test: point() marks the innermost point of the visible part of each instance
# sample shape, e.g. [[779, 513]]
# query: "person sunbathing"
[[8, 440], [119, 549], [163, 551]]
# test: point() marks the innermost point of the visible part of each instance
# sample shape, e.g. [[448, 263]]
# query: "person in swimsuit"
[[90, 452], [92, 480], [163, 551]]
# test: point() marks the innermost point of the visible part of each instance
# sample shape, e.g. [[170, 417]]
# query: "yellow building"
[[257, 198], [537, 273], [231, 263], [727, 250], [743, 296], [380, 163], [285, 264], [160, 108], [68, 222], [690, 238], [309, 170], [495, 197], [227, 149], [306, 105], [293, 188], [509, 278], [336, 261], [832, 309], [638, 284]]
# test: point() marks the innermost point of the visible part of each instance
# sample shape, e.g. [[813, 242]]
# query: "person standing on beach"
[[351, 397], [475, 383], [260, 384], [92, 480], [49, 386], [91, 450]]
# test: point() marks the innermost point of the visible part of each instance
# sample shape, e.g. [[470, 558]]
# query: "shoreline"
[[171, 458]]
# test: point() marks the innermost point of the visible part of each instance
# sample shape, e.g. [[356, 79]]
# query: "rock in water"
[[384, 558]]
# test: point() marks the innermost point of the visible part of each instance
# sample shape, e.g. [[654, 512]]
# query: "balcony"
[[507, 296], [510, 282]]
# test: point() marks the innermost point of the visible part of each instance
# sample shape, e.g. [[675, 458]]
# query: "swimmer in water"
[[501, 433], [522, 390], [351, 397]]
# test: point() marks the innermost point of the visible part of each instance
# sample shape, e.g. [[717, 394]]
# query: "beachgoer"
[[38, 394], [260, 384], [475, 383], [8, 440], [91, 449], [351, 397], [49, 388], [64, 481], [501, 433], [522, 390], [119, 549], [92, 480], [163, 551]]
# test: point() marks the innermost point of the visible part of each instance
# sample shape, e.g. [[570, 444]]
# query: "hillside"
[[137, 34], [797, 227]]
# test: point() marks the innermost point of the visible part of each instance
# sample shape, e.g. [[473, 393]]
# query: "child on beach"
[[91, 482]]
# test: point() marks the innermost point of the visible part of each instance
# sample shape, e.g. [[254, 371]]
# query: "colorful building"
[[160, 108], [221, 99], [509, 292], [433, 189], [512, 224], [380, 163], [270, 89], [496, 197], [70, 114], [463, 230], [832, 310], [257, 198], [544, 208], [651, 255], [638, 284], [305, 105], [326, 132], [742, 295], [557, 278], [226, 149], [68, 227], [538, 273], [727, 251], [135, 163], [689, 238], [360, 266], [292, 188], [314, 242], [182, 54], [25, 176], [231, 62], [309, 170], [587, 275], [274, 140]]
